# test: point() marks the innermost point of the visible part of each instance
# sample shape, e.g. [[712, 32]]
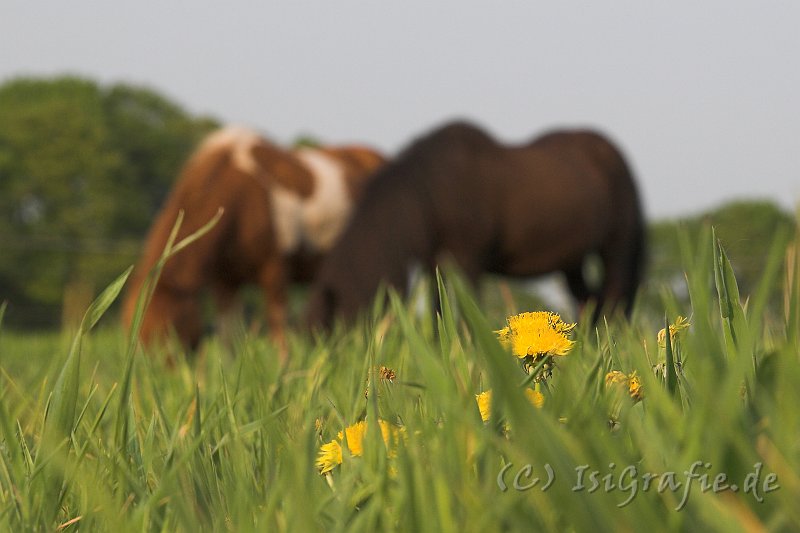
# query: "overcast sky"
[[703, 97]]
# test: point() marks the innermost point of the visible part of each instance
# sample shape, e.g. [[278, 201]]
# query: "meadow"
[[96, 436]]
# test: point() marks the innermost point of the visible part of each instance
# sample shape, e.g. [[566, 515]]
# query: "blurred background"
[[100, 104]]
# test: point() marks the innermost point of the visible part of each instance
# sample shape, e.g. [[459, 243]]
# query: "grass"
[[95, 436]]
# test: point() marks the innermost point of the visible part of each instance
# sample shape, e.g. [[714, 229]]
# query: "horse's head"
[[338, 296]]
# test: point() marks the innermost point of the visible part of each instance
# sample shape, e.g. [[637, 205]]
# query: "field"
[[96, 436]]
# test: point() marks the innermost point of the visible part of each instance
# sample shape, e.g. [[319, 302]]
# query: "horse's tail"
[[624, 251]]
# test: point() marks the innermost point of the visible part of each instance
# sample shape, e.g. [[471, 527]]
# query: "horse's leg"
[[229, 311], [179, 312], [622, 263], [578, 287], [273, 281], [187, 321], [469, 264]]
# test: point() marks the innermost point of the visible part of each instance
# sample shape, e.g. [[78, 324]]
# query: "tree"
[[154, 136], [747, 231], [82, 171]]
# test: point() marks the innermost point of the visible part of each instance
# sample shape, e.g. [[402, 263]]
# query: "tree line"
[[84, 168]]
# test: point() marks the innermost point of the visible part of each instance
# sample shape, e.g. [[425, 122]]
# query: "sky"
[[702, 97]]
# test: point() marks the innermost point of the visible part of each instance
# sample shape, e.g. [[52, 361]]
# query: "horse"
[[282, 210], [516, 210]]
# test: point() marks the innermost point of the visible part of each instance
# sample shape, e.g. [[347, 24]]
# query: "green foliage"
[[228, 441], [154, 137], [83, 169], [749, 230], [306, 141]]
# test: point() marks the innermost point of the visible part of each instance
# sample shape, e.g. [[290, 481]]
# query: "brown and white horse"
[[520, 211], [282, 211]]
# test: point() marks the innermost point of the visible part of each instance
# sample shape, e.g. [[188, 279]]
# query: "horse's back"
[[590, 161], [602, 158], [557, 198], [590, 146]]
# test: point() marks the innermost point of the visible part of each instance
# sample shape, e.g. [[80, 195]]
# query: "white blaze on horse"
[[282, 211]]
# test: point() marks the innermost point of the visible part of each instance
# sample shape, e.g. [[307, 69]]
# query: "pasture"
[[96, 436]]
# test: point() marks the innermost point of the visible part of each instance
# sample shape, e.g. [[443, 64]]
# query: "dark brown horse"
[[282, 211], [512, 210]]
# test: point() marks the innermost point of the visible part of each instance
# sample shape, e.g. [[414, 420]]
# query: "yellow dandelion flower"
[[536, 334], [632, 381], [391, 436], [681, 323], [635, 386], [330, 454], [484, 400], [615, 376], [355, 438], [504, 336], [535, 397]]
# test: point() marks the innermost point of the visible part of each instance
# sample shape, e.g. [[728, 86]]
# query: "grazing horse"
[[282, 211], [518, 211]]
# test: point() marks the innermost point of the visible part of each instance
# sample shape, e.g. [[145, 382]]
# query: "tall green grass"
[[96, 436]]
